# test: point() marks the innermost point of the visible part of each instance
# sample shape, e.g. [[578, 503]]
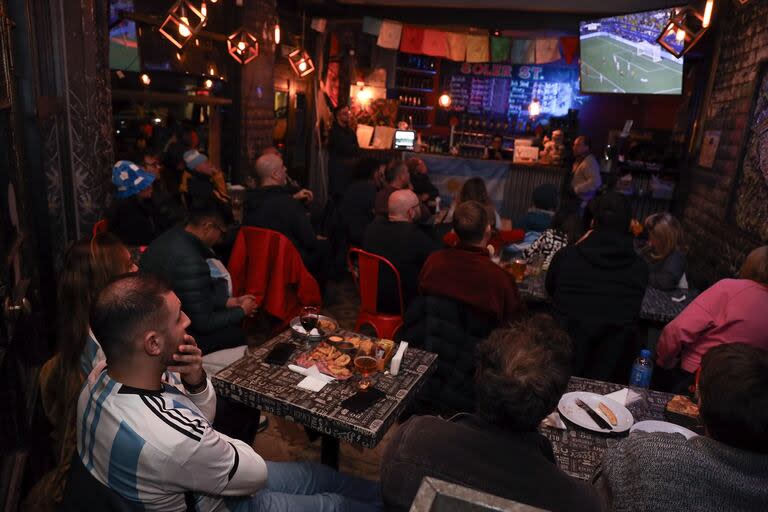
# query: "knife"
[[594, 415]]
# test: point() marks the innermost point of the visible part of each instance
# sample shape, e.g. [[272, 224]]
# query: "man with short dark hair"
[[522, 372], [397, 177], [725, 469], [597, 287], [184, 257], [152, 442], [467, 274], [405, 244]]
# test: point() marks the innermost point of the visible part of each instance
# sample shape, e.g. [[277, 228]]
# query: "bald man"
[[404, 243], [275, 205]]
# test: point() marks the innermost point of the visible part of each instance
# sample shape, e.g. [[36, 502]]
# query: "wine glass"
[[308, 318], [366, 364]]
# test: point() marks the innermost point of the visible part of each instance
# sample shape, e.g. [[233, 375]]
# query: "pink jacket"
[[731, 311]]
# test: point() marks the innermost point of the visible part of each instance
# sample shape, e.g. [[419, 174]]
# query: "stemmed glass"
[[309, 318], [366, 364]]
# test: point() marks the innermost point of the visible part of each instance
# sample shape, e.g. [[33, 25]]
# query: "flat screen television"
[[405, 139], [123, 43], [620, 55]]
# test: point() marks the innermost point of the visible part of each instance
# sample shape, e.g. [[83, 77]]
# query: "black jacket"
[[357, 210], [135, 221], [180, 258], [516, 465], [275, 208], [407, 247], [451, 330], [342, 153], [597, 288]]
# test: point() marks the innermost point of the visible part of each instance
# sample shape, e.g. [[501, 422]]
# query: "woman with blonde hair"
[[665, 252]]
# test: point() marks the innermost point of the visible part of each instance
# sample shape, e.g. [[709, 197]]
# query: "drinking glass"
[[309, 318], [366, 364], [518, 269]]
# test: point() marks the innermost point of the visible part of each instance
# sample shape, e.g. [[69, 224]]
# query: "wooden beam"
[[167, 97], [156, 21]]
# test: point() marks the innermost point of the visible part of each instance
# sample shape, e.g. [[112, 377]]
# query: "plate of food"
[[595, 412], [346, 344], [328, 359], [325, 326]]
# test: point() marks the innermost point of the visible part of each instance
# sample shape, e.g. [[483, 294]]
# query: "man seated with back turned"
[[396, 177], [404, 244], [152, 442], [522, 372], [724, 469], [275, 205], [183, 256], [467, 274]]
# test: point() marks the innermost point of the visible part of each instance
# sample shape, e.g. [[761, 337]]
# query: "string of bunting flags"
[[468, 47]]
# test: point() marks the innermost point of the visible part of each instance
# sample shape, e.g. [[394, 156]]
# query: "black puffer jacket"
[[451, 330], [180, 258]]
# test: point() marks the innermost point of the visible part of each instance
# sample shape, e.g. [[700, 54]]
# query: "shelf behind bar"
[[408, 107], [418, 71]]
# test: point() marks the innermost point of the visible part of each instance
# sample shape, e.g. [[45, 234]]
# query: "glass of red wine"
[[309, 318]]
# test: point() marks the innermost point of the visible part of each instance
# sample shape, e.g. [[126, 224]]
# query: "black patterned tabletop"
[[579, 451], [272, 388], [658, 305]]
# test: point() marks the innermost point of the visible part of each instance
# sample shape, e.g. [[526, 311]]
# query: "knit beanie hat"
[[193, 158], [130, 179]]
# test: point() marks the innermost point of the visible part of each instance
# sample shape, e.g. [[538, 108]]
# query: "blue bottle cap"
[[645, 353]]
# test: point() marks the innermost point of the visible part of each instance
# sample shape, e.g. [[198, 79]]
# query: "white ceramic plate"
[[579, 416], [662, 426]]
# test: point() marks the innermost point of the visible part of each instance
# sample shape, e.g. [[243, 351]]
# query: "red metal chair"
[[366, 275], [100, 227]]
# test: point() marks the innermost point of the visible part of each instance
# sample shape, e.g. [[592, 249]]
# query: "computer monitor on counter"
[[405, 139]]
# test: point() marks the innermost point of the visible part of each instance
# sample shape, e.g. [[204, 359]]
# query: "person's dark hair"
[[545, 197], [587, 140], [611, 212], [126, 307], [470, 221], [339, 108], [365, 169], [151, 151], [474, 189], [733, 386], [393, 170], [568, 220], [522, 371], [212, 210], [755, 266]]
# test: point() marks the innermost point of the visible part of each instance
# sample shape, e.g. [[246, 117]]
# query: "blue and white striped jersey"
[[158, 448]]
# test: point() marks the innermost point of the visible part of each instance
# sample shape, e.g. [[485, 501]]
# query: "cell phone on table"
[[280, 354]]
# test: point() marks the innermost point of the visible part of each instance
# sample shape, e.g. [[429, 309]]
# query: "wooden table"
[[579, 451], [658, 305], [272, 388]]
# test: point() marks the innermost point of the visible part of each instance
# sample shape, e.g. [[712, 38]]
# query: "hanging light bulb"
[[208, 83], [707, 19], [534, 109], [212, 70], [302, 65], [179, 56], [277, 33], [680, 35], [445, 100], [144, 79], [242, 46], [184, 27], [182, 23], [204, 9]]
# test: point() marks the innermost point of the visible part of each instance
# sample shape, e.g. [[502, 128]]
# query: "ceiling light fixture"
[[683, 30], [145, 80], [183, 23], [242, 46]]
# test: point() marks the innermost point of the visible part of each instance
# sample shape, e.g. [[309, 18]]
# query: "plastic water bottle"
[[642, 370]]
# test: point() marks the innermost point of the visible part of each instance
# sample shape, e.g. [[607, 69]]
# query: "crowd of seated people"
[[157, 334]]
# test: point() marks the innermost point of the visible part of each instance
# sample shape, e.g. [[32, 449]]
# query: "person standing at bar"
[[585, 178], [342, 152]]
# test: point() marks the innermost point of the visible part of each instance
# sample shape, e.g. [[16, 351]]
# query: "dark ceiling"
[[560, 6]]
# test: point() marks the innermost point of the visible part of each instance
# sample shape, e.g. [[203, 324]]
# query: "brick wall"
[[717, 248], [257, 95]]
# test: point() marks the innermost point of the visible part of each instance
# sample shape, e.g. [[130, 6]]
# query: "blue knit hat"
[[130, 179], [193, 158]]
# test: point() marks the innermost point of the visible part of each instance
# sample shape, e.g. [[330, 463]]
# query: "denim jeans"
[[304, 486]]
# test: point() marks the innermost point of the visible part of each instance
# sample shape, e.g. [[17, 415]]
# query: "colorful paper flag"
[[569, 45], [522, 51], [477, 48], [500, 49], [435, 43], [371, 25], [389, 35], [457, 46], [547, 50], [412, 39]]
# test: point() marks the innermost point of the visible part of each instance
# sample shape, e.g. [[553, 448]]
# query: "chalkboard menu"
[[503, 90]]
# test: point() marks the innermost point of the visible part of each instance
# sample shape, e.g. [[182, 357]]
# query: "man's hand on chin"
[[189, 365]]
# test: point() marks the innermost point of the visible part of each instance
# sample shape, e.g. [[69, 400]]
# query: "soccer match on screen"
[[621, 55]]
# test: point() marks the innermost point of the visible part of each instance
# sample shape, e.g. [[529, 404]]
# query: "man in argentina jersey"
[[152, 442]]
